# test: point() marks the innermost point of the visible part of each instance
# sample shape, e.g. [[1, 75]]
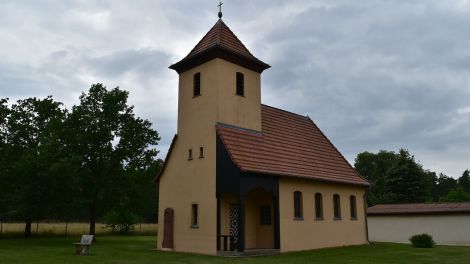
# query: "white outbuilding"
[[448, 223]]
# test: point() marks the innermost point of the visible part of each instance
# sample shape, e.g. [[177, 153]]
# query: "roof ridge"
[[288, 112], [243, 45], [219, 24], [239, 128]]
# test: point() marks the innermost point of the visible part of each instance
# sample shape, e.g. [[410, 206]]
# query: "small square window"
[[201, 152]]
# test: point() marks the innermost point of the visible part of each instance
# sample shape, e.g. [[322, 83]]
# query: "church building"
[[242, 176]]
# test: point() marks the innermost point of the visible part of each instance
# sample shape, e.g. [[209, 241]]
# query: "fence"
[[69, 229]]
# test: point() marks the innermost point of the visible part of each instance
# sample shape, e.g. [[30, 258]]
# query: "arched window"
[[318, 206], [240, 89], [197, 84], [298, 214], [337, 207], [352, 203]]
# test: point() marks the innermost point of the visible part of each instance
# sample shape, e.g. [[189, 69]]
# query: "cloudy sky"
[[372, 74]]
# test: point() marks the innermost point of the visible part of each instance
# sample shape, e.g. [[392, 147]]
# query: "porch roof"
[[289, 145]]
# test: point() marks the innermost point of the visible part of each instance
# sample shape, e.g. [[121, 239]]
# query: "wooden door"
[[168, 221]]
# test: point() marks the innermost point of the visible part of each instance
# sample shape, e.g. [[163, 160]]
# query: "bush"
[[121, 221], [422, 241]]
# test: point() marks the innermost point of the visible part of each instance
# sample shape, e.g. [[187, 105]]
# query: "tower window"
[[194, 215], [352, 203], [318, 206], [337, 207], [197, 84], [201, 152], [240, 84], [190, 154], [298, 214]]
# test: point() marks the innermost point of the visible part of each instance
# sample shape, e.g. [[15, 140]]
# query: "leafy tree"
[[32, 134], [405, 181], [456, 195], [107, 140], [444, 185], [373, 167], [4, 112], [464, 181]]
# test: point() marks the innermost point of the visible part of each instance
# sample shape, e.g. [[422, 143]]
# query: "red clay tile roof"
[[288, 145], [220, 41], [221, 35], [419, 208]]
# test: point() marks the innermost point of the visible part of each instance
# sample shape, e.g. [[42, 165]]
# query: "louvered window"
[[197, 84], [240, 84]]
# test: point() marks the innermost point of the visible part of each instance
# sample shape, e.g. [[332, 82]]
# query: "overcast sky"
[[372, 74]]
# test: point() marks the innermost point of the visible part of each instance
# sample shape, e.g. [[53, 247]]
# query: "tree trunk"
[[27, 229], [93, 220]]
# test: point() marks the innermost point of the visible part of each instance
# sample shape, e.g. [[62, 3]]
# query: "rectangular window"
[[318, 206], [240, 84], [194, 216], [337, 207], [352, 201], [201, 152], [197, 84], [298, 214], [265, 215], [190, 154]]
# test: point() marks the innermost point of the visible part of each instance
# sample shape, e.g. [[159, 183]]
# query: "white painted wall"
[[445, 229]]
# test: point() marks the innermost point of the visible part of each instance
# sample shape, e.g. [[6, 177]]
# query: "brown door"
[[168, 228]]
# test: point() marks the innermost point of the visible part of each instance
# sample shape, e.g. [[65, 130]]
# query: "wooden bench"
[[83, 247]]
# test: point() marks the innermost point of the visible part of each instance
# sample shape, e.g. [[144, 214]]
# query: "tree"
[[456, 195], [464, 181], [405, 181], [32, 135], [107, 140], [4, 112], [373, 167], [444, 185]]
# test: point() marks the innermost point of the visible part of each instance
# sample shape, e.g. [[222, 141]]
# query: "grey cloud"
[[372, 74]]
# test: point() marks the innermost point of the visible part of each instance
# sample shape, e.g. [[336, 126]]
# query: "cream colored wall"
[[237, 110], [193, 181], [257, 235], [310, 233], [445, 229]]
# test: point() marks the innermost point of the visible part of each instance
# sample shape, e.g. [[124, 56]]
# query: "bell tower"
[[219, 82]]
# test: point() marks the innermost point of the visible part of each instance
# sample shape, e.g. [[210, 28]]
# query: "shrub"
[[422, 241], [121, 221]]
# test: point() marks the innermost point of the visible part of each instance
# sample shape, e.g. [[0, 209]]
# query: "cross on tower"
[[220, 9]]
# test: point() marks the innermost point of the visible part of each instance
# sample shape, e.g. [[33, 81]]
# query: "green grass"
[[139, 250]]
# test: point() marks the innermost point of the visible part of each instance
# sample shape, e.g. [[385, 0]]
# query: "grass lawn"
[[139, 250]]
